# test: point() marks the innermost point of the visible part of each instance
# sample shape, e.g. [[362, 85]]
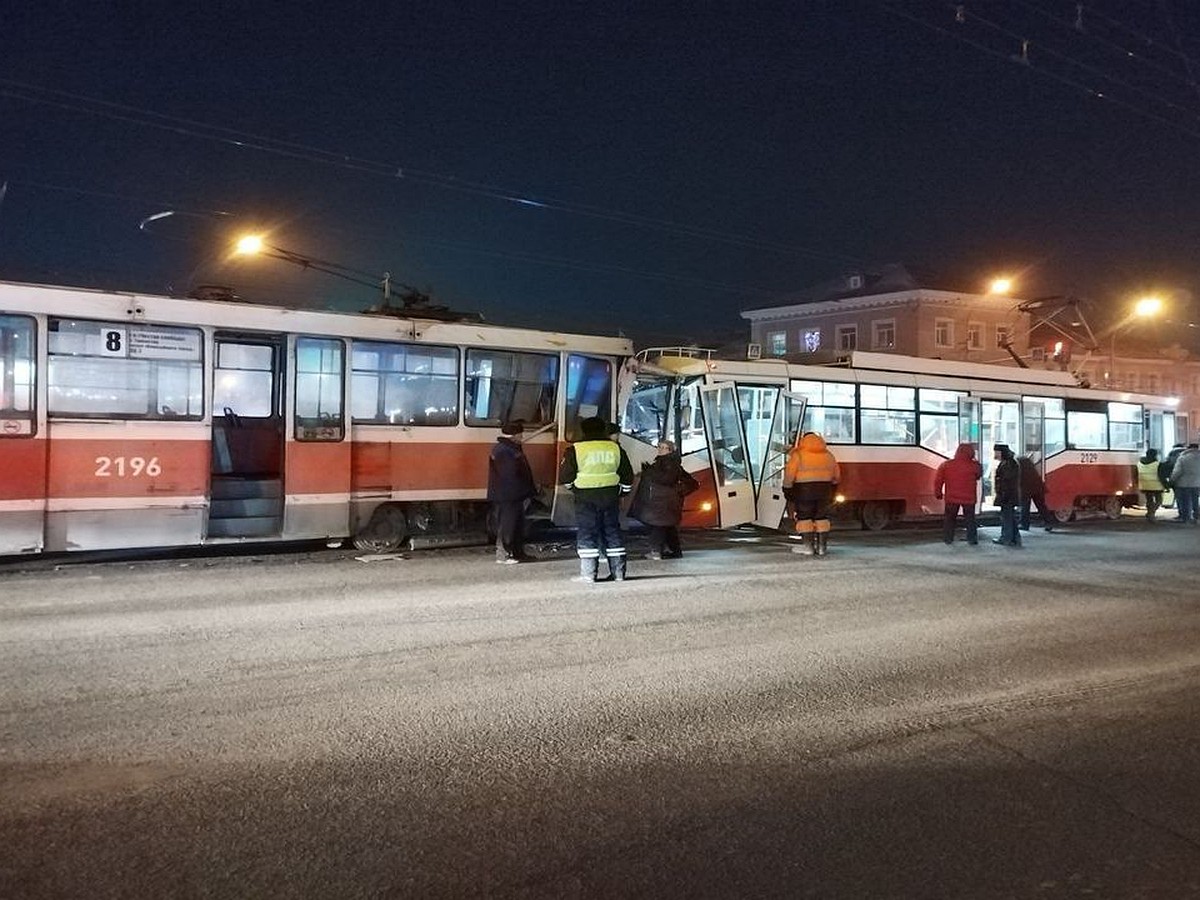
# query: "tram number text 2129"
[[127, 467], [1089, 457]]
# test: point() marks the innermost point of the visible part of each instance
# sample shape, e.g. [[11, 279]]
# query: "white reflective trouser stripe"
[[592, 553], [614, 551]]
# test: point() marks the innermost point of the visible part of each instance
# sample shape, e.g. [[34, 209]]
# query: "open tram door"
[[727, 454], [246, 493], [786, 423], [970, 431], [1033, 434]]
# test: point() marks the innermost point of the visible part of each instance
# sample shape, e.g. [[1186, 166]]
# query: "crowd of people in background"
[[598, 473]]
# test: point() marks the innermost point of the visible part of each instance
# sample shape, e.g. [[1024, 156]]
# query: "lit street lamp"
[[1145, 308]]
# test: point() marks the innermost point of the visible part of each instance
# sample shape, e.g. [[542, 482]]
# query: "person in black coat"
[[658, 501], [510, 486], [1033, 493], [1007, 479]]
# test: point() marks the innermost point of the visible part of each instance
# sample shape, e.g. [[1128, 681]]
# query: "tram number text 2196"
[[127, 467]]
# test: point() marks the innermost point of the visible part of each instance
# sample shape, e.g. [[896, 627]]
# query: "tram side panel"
[[22, 492], [117, 484]]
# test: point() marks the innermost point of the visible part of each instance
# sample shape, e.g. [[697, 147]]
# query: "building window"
[[854, 282], [1152, 384], [777, 343], [846, 337], [883, 334], [1002, 336], [810, 340], [974, 335], [943, 332]]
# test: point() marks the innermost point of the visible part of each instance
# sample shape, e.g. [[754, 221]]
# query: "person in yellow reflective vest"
[[598, 472], [811, 474], [1149, 483]]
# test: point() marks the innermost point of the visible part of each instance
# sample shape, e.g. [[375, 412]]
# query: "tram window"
[[319, 381], [934, 401], [1087, 430], [646, 412], [834, 424], [245, 379], [17, 367], [125, 371], [830, 410], [509, 386], [888, 414], [1125, 426], [589, 391], [404, 384], [1054, 436]]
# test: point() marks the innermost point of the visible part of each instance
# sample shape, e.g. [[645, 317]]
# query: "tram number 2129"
[[131, 467]]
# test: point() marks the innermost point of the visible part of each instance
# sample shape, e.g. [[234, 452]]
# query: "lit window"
[[883, 334], [777, 343], [810, 340]]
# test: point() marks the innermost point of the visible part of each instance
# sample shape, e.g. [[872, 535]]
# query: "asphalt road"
[[900, 719]]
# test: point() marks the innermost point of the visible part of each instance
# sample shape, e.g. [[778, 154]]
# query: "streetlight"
[[1000, 286], [1144, 308]]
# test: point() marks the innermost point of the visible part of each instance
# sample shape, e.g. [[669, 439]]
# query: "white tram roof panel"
[[125, 306]]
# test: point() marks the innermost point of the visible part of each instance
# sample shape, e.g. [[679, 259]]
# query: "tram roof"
[[234, 315]]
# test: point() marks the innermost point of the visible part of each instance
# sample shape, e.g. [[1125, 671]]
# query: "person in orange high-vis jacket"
[[808, 481]]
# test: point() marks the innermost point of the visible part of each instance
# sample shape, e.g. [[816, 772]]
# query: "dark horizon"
[[649, 172]]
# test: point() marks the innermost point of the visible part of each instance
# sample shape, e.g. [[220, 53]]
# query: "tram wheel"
[[1112, 507], [1064, 515], [876, 515], [385, 532]]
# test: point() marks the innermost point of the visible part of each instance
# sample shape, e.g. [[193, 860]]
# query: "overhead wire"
[[1043, 71], [265, 144], [1118, 48], [1071, 61]]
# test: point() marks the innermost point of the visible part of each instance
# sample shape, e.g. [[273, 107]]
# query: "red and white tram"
[[129, 420], [890, 420]]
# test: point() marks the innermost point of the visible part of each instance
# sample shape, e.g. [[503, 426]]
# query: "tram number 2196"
[[127, 467], [1089, 457]]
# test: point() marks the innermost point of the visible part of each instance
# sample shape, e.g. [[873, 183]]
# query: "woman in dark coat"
[[658, 501]]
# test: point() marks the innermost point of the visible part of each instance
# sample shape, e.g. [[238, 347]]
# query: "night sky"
[[650, 168]]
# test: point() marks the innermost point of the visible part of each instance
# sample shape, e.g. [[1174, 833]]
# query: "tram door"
[[969, 431], [1033, 434], [728, 453], [1162, 431], [246, 496], [999, 423], [785, 433]]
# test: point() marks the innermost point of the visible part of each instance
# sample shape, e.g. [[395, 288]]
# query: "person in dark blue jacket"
[[1007, 479], [510, 486]]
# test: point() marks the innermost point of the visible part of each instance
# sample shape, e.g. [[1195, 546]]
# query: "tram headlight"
[[706, 506], [839, 498]]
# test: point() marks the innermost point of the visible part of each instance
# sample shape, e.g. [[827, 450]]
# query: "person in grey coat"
[[1185, 479]]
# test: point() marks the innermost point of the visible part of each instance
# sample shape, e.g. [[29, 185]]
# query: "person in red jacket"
[[955, 482]]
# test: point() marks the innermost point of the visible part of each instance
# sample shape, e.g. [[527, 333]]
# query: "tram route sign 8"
[[149, 343]]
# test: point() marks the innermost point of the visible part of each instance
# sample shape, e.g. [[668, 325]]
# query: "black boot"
[[616, 567], [587, 570], [822, 540]]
